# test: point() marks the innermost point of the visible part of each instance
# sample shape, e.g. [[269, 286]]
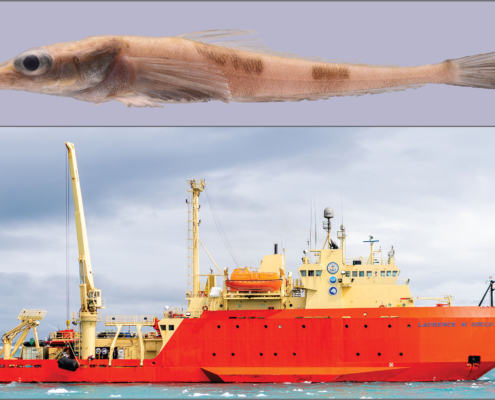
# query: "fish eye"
[[33, 62]]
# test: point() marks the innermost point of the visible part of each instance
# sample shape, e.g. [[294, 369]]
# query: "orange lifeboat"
[[243, 280]]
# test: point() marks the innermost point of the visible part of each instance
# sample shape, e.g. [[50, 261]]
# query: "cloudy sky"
[[429, 192]]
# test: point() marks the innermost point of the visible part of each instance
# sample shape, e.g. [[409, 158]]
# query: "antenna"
[[371, 241], [314, 202], [310, 224], [341, 208]]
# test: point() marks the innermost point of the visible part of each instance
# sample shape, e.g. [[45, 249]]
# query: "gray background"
[[401, 33], [428, 192]]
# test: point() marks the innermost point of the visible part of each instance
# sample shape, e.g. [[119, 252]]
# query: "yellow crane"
[[91, 299], [30, 320]]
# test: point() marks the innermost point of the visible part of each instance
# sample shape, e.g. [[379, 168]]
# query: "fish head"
[[74, 69]]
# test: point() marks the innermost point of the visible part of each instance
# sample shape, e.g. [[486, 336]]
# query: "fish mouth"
[[7, 75]]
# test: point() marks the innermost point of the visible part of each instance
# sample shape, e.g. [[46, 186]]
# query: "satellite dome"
[[328, 213]]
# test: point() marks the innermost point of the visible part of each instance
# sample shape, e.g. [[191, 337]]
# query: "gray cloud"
[[426, 191]]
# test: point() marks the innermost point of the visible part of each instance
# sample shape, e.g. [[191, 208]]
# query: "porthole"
[[408, 325], [357, 354], [218, 326], [275, 354], [237, 326], [221, 305], [261, 354], [266, 326], [366, 326], [304, 326], [401, 354], [233, 354], [390, 326], [280, 326], [214, 354], [293, 354], [347, 326], [290, 305], [379, 354]]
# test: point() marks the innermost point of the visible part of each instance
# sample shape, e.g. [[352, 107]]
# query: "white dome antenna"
[[327, 225]]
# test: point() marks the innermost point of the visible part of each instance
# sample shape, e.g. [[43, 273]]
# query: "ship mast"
[[90, 296], [197, 186]]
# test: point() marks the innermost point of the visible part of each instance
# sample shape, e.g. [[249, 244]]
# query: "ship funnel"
[[328, 213], [275, 251]]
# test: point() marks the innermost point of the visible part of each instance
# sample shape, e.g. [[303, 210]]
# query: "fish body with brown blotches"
[[144, 71]]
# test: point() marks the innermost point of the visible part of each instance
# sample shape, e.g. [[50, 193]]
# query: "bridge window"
[[369, 274], [318, 273], [382, 273], [311, 273], [303, 273], [361, 273], [395, 273], [354, 273], [389, 273], [170, 327]]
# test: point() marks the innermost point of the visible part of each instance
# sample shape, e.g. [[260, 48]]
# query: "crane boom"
[[86, 270]]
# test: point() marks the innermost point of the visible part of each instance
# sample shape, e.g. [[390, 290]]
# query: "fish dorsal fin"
[[163, 80], [233, 38]]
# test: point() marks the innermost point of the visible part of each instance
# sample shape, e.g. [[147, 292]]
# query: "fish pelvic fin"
[[472, 71], [164, 80]]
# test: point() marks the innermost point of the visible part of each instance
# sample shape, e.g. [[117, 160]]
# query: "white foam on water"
[[322, 391], [364, 397], [200, 394], [184, 391], [297, 390], [260, 395], [483, 378], [58, 391], [241, 395], [311, 394], [115, 395], [307, 381], [287, 383], [11, 384], [227, 394]]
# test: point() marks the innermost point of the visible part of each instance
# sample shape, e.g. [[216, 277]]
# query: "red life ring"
[[205, 308]]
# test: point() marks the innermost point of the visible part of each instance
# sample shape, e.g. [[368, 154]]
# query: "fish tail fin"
[[472, 71]]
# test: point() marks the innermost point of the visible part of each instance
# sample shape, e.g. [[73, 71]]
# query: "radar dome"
[[328, 213]]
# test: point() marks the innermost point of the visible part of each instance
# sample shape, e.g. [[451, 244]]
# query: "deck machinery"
[[340, 319]]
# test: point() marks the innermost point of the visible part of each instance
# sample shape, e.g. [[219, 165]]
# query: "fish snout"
[[7, 75]]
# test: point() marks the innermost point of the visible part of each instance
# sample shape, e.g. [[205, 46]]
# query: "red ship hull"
[[328, 345]]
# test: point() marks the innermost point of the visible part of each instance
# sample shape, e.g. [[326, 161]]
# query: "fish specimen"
[[214, 65]]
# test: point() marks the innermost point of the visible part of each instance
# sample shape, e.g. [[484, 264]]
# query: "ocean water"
[[482, 388]]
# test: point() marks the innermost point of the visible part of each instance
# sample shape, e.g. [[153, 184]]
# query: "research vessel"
[[340, 319]]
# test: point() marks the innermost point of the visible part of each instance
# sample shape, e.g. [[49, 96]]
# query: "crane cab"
[[94, 299]]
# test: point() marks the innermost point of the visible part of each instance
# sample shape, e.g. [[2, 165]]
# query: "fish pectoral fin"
[[164, 80]]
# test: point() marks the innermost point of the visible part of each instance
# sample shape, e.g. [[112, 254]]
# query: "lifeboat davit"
[[243, 280]]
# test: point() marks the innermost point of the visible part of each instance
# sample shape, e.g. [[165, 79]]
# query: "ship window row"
[[355, 274], [311, 273], [369, 274]]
